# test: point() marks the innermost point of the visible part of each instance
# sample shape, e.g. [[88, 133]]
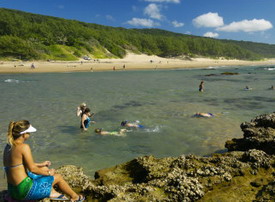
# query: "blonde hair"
[[14, 130]]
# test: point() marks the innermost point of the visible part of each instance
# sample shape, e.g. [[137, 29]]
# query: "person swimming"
[[205, 115], [131, 125], [121, 132], [247, 88]]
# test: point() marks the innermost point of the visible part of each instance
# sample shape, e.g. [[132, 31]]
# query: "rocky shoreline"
[[245, 173]]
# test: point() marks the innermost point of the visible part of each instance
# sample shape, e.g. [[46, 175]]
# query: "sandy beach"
[[130, 62]]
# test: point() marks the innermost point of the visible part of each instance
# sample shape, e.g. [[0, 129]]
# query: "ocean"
[[163, 101]]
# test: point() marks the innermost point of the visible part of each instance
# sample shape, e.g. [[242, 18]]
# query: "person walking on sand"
[[201, 86], [26, 179]]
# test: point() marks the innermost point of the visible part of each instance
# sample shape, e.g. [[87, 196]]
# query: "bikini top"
[[6, 168]]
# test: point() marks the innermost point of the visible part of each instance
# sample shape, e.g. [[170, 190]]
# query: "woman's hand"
[[47, 163], [51, 172]]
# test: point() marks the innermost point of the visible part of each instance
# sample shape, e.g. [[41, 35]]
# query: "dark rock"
[[229, 73], [258, 134]]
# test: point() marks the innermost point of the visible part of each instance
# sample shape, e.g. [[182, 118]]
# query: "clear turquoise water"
[[163, 101]]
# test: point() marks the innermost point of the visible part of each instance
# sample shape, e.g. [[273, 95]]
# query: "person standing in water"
[[26, 179], [86, 120], [80, 109], [201, 86]]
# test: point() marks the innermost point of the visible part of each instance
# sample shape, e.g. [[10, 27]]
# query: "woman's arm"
[[31, 166], [44, 164], [78, 111]]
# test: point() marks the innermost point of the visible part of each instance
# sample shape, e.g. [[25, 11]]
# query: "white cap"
[[29, 130]]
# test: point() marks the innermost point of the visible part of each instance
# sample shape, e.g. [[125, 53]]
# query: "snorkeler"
[[121, 132], [205, 115], [131, 125]]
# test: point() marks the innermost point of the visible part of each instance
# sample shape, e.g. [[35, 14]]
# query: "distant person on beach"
[[114, 68], [80, 109], [86, 119], [121, 132], [33, 66], [207, 115], [131, 125], [26, 179], [201, 86]]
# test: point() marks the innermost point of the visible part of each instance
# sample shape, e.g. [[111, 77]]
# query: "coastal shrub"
[[34, 31], [12, 46]]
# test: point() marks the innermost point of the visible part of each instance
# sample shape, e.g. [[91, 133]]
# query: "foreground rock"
[[258, 134], [245, 175]]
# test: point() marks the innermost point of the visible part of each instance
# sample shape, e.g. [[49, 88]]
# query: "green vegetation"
[[30, 36]]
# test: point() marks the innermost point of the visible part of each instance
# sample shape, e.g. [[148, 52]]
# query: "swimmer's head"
[[98, 130], [123, 123]]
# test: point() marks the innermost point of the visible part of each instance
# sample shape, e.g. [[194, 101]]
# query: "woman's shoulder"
[[23, 147]]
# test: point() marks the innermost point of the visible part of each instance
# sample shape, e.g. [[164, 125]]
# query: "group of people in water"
[[28, 180], [201, 87], [85, 113]]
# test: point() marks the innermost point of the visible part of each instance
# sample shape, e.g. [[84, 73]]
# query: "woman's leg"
[[64, 187]]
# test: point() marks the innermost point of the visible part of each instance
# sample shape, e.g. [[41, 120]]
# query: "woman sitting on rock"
[[26, 179]]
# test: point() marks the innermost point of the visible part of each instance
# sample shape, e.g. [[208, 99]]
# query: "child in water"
[[131, 125], [121, 132]]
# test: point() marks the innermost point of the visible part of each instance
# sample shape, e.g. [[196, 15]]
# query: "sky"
[[247, 20]]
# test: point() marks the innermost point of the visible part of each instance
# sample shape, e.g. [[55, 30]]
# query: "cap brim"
[[29, 130]]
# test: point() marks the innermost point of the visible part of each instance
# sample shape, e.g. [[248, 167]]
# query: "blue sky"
[[248, 20]]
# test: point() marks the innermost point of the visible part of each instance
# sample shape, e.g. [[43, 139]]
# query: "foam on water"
[[11, 81]]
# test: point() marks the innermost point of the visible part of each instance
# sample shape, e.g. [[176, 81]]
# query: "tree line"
[[31, 36]]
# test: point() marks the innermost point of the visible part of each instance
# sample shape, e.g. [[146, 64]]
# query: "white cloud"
[[208, 20], [153, 11], [177, 24], [164, 1], [142, 22], [61, 6], [254, 25], [109, 17], [211, 35]]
